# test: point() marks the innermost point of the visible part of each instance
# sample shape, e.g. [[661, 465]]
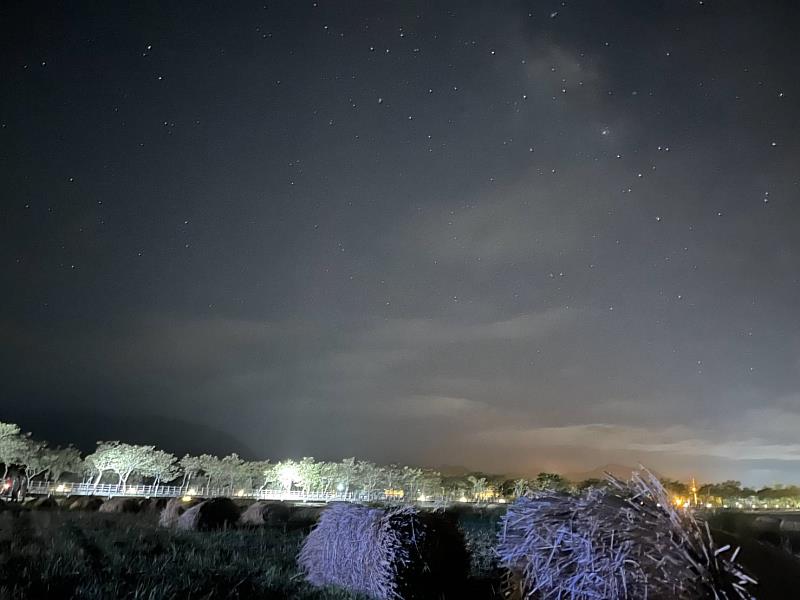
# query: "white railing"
[[172, 491]]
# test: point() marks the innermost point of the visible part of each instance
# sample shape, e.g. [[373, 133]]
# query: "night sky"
[[504, 235]]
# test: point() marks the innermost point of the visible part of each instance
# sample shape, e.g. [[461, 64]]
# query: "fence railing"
[[173, 491]]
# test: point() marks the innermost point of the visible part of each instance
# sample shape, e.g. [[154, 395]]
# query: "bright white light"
[[288, 475]]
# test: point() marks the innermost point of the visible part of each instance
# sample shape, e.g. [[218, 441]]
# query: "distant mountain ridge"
[[619, 471]]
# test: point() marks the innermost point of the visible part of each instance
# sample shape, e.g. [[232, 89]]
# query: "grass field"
[[101, 556], [52, 554], [94, 556]]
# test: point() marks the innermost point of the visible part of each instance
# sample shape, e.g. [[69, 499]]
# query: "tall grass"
[[93, 556]]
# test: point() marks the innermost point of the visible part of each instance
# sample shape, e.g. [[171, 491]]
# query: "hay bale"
[[216, 513], [42, 503], [397, 553], [173, 510], [242, 503], [120, 505], [88, 503], [621, 541], [790, 526], [153, 505], [271, 514], [764, 523], [304, 516], [63, 501]]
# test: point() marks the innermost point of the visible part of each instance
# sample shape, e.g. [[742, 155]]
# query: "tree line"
[[123, 464]]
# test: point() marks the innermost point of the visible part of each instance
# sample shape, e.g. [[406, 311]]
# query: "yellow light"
[[463, 499], [240, 493], [502, 501], [61, 488], [186, 498]]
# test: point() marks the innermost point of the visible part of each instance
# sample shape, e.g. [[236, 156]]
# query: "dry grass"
[[385, 554], [56, 555], [623, 541]]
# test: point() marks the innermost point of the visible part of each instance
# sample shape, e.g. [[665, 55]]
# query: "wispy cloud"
[[427, 332], [671, 440]]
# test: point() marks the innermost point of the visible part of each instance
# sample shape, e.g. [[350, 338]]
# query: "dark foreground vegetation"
[[54, 553], [91, 555], [49, 552]]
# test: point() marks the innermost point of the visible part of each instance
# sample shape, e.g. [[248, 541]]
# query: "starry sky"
[[505, 235]]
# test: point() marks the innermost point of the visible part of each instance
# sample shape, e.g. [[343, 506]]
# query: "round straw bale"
[[304, 516], [151, 505], [119, 504], [790, 525], [271, 514], [63, 501], [216, 513], [174, 508], [42, 503], [398, 553], [88, 503], [242, 503], [764, 523]]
